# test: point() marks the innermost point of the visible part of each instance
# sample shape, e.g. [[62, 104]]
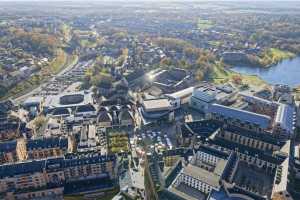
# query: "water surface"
[[286, 72]]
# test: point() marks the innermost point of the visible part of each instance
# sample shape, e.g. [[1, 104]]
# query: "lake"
[[286, 72]]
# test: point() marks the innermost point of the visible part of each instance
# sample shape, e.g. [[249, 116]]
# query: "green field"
[[220, 75]]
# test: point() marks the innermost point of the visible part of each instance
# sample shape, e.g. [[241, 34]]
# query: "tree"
[[39, 122], [199, 75], [183, 64], [237, 79], [166, 61]]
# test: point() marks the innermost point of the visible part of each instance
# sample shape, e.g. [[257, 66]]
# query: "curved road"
[[25, 96]]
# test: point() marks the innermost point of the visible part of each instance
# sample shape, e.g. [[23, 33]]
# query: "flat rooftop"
[[71, 99], [153, 105], [33, 101], [263, 121], [205, 176], [187, 192], [297, 151], [182, 93], [209, 93]]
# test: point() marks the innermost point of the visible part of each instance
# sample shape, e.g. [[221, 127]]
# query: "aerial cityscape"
[[149, 99]]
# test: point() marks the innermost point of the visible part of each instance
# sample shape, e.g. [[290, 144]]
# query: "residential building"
[[51, 178], [46, 147]]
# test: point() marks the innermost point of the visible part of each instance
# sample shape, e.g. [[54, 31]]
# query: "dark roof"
[[171, 76], [174, 152], [71, 99], [267, 156], [91, 184], [177, 73], [114, 108], [75, 160], [120, 101], [186, 131], [61, 111], [54, 164], [71, 160], [125, 115], [105, 85], [6, 106], [103, 109], [121, 87], [11, 124], [239, 190], [263, 136], [45, 143], [86, 108], [9, 146], [245, 116], [213, 151], [167, 195], [104, 117], [126, 107], [202, 128], [13, 169]]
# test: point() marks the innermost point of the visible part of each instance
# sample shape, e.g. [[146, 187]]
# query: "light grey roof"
[[205, 94], [152, 105], [203, 175], [182, 93], [33, 101], [285, 117], [210, 93], [245, 116], [254, 99]]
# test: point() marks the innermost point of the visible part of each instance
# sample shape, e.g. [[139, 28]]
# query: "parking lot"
[[161, 137]]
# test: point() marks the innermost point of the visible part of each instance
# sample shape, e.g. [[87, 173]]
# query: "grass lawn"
[[220, 75], [279, 54], [59, 62], [118, 143]]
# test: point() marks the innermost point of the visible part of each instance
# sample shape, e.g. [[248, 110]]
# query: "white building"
[[157, 109], [181, 97], [206, 95]]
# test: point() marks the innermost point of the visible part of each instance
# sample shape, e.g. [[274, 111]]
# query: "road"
[[36, 90]]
